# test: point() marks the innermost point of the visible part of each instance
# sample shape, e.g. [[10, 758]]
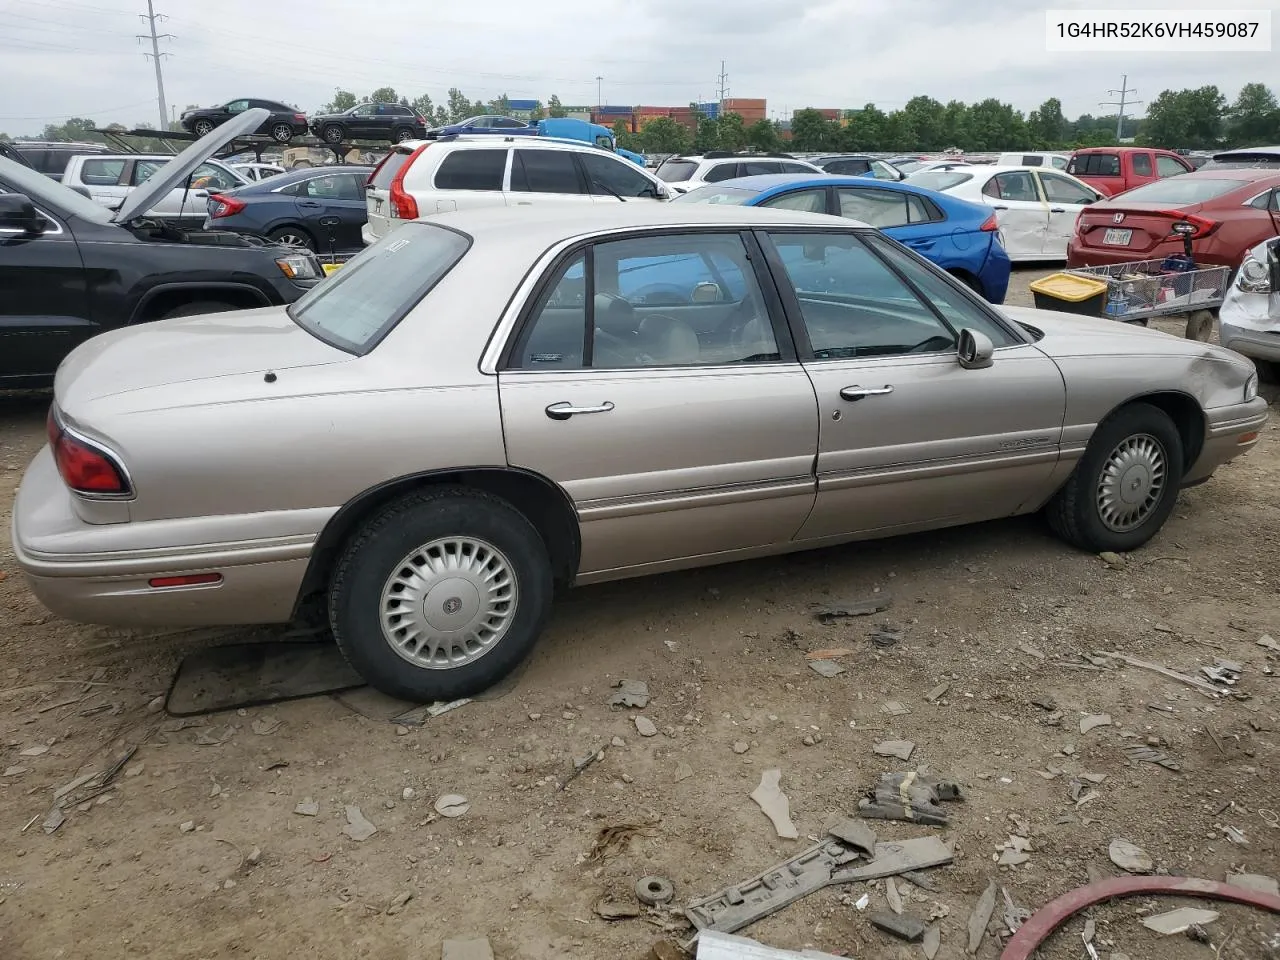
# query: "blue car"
[[320, 208], [961, 237], [484, 124]]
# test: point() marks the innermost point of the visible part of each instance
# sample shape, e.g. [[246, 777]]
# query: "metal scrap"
[[1224, 671], [906, 928], [854, 608], [1180, 920], [631, 693], [909, 796], [615, 840], [1140, 752], [1206, 688], [981, 916]]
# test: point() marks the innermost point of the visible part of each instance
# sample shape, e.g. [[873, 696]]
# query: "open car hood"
[[176, 171]]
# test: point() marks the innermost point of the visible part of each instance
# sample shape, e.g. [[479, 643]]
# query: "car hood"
[[176, 171], [178, 356]]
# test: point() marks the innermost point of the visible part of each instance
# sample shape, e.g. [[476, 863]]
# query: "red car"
[[1232, 210], [1112, 170]]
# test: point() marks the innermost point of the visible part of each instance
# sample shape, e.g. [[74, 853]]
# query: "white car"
[[1058, 161], [109, 178], [1035, 207], [688, 173], [926, 166], [423, 177], [1249, 321], [257, 171]]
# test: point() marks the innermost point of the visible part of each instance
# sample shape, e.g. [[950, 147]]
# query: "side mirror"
[[974, 349], [17, 212]]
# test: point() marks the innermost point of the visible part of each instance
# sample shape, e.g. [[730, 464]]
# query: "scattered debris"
[[1014, 915], [855, 834], [14, 771], [39, 751], [1032, 651], [1112, 560], [741, 746], [53, 820], [580, 764], [719, 946], [825, 668], [862, 902], [1269, 643], [1094, 720], [854, 608], [1208, 689], [831, 653], [1130, 857], [631, 693], [1255, 882], [215, 736], [646, 727], [905, 928], [898, 857], [895, 708], [1013, 852], [615, 840], [924, 883], [1044, 703], [307, 808], [1235, 835], [909, 796], [265, 726], [932, 941], [1198, 934], [938, 692], [683, 772], [1224, 671], [615, 910], [358, 828], [1140, 752], [255, 857], [398, 904], [1177, 921], [452, 805], [652, 891], [188, 826], [886, 636], [770, 798], [466, 950], [902, 749], [892, 896], [66, 788], [981, 916]]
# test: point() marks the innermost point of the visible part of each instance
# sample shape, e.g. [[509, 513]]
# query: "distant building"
[[522, 109]]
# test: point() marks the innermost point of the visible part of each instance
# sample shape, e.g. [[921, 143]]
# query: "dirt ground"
[[1001, 612]]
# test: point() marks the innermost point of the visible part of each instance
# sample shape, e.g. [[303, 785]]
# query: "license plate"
[[1117, 238]]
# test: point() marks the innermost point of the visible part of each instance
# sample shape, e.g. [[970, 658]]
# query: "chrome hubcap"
[[1132, 481], [448, 603]]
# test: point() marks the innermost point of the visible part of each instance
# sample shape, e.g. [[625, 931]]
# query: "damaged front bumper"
[[1249, 320]]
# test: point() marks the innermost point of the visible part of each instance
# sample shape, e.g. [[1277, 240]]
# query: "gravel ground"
[[196, 850]]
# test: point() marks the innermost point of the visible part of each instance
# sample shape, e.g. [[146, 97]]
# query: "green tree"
[[924, 117], [1046, 124], [732, 131], [1185, 119], [384, 95], [459, 106], [621, 130], [810, 130], [863, 129], [955, 125], [539, 112], [342, 100], [554, 109], [664, 135], [707, 135], [1255, 116], [500, 105], [77, 128], [763, 135], [899, 134], [423, 106], [995, 126]]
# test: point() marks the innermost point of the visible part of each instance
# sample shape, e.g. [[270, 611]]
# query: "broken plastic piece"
[[981, 916], [904, 928], [1141, 752], [632, 693], [896, 857], [856, 834], [770, 798], [909, 796], [1129, 856], [1180, 920], [854, 608]]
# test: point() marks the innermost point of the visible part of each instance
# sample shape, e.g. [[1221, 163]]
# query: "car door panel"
[[1066, 200], [1022, 214], [669, 459]]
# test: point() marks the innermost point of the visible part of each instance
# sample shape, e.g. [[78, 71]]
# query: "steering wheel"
[[933, 344]]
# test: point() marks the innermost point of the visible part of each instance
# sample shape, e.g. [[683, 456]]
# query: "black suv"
[[370, 121], [49, 156], [70, 268], [283, 123]]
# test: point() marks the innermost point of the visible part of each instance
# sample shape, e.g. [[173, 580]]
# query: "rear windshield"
[[909, 166], [1181, 190], [386, 173], [717, 193], [676, 171], [1095, 165], [361, 303], [938, 179]]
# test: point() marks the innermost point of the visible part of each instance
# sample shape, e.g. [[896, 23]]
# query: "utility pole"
[[599, 93], [1124, 91], [723, 83], [151, 17]]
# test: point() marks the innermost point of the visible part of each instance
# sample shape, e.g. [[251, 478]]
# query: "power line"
[[151, 17], [1123, 91]]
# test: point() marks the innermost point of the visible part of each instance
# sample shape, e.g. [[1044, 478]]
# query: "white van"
[[1056, 160]]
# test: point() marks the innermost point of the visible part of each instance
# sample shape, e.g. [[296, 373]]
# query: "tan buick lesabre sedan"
[[486, 404]]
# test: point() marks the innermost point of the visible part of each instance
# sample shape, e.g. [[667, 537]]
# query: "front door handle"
[[1000, 208], [564, 410], [1057, 210], [857, 393]]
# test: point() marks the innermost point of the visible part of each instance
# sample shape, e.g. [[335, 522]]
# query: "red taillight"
[[299, 118], [991, 224], [405, 206], [1203, 225], [82, 466], [189, 580], [220, 206]]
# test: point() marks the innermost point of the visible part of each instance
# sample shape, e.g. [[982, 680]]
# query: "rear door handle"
[[922, 244], [1000, 208], [564, 410], [857, 393]]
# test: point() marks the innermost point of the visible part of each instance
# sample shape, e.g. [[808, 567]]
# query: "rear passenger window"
[[607, 176], [1142, 164], [722, 171], [754, 168], [472, 170], [545, 171], [101, 173]]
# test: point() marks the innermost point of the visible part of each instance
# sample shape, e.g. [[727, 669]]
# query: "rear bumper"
[[1079, 255], [98, 573], [1230, 432], [995, 273]]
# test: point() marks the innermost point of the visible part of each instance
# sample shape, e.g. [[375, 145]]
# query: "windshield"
[[676, 171], [938, 179], [383, 176], [15, 178], [1181, 190], [360, 304], [715, 193]]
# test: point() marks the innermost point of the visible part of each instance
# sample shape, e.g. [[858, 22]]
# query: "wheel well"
[[291, 225], [544, 504], [1186, 416], [966, 277], [168, 300]]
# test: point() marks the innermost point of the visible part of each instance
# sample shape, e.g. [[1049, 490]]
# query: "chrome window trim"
[[13, 231]]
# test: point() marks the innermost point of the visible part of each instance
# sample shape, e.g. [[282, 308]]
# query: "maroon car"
[[1232, 211]]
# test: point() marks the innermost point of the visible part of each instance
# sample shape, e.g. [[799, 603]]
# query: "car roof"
[[559, 222], [1130, 148], [1232, 173], [493, 141], [764, 182], [1244, 151]]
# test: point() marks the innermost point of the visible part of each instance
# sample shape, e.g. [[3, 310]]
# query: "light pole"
[[599, 93]]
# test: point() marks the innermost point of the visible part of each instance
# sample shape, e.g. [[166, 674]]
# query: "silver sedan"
[[485, 405]]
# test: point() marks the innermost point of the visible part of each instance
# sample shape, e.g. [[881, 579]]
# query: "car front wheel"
[[332, 134], [402, 135], [1126, 484], [282, 132], [441, 595], [202, 128]]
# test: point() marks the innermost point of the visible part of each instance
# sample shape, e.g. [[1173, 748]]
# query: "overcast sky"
[[81, 58]]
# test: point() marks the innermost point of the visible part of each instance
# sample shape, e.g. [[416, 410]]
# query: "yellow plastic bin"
[[1070, 293]]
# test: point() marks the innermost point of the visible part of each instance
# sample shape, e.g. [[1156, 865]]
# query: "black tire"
[[1075, 513], [294, 237], [969, 281], [332, 133], [202, 128], [401, 134], [1268, 370], [373, 555], [282, 132], [198, 308]]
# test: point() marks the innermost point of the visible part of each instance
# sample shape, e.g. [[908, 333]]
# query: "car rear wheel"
[[293, 237], [202, 128], [197, 308], [441, 595], [282, 132], [331, 134], [403, 134], [1126, 484]]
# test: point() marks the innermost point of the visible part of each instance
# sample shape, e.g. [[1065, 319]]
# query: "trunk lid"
[[173, 355], [380, 211], [1135, 227]]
